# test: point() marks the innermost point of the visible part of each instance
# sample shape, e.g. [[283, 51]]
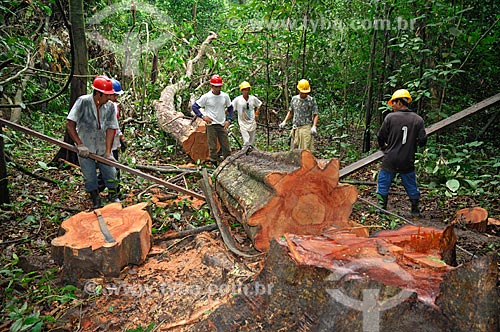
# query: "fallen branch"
[[214, 208], [27, 172], [166, 169], [188, 232], [61, 160], [188, 131]]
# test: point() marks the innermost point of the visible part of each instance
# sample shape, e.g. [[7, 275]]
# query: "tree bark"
[[79, 43], [369, 93], [330, 284], [83, 251], [288, 192], [4, 181], [79, 62], [475, 218]]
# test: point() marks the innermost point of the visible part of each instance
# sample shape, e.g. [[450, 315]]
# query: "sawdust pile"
[[180, 283]]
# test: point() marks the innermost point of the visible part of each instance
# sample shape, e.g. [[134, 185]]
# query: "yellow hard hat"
[[401, 93], [303, 86], [244, 85]]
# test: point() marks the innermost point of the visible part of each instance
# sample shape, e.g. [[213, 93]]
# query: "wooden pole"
[[103, 160]]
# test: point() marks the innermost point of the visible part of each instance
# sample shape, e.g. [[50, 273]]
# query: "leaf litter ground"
[[183, 280]]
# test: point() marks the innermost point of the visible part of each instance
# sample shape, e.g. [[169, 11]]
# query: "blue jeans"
[[88, 167], [409, 182]]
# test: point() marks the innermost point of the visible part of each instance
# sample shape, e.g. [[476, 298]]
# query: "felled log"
[[188, 132], [84, 252], [475, 218], [271, 194], [340, 282]]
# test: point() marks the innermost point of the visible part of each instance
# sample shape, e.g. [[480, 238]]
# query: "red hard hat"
[[103, 84], [216, 80]]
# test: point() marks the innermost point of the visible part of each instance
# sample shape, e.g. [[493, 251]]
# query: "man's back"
[[401, 131]]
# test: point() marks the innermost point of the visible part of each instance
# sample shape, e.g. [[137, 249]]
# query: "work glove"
[[313, 130], [109, 156], [123, 145], [83, 151], [282, 125]]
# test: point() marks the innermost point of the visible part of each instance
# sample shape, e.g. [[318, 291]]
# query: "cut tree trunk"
[[475, 218], [189, 132], [271, 194], [83, 251], [395, 281]]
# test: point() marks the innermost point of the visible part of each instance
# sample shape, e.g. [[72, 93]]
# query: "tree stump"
[[271, 194], [475, 218], [83, 251], [341, 282]]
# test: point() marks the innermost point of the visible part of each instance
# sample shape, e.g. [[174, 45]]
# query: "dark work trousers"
[[216, 132]]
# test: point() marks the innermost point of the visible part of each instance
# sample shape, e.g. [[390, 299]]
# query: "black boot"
[[100, 183], [113, 196], [415, 211], [96, 199], [382, 201]]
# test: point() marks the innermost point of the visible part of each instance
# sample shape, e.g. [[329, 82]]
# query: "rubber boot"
[[96, 199], [415, 211], [382, 201], [113, 196], [100, 183]]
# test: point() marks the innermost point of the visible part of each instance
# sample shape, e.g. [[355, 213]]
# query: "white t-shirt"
[[246, 111], [215, 106]]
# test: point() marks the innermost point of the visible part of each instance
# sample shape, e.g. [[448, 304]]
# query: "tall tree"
[[79, 62], [79, 49], [4, 189]]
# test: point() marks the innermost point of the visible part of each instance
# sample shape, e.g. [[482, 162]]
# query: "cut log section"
[[190, 133], [475, 218], [271, 194], [493, 222], [83, 251], [409, 257], [345, 283]]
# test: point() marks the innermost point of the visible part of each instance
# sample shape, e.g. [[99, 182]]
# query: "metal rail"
[[103, 160]]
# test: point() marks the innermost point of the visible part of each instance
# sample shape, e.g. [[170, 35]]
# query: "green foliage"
[[25, 293], [150, 327], [461, 169], [448, 60]]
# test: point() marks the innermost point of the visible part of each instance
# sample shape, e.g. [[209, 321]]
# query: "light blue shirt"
[[84, 113]]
